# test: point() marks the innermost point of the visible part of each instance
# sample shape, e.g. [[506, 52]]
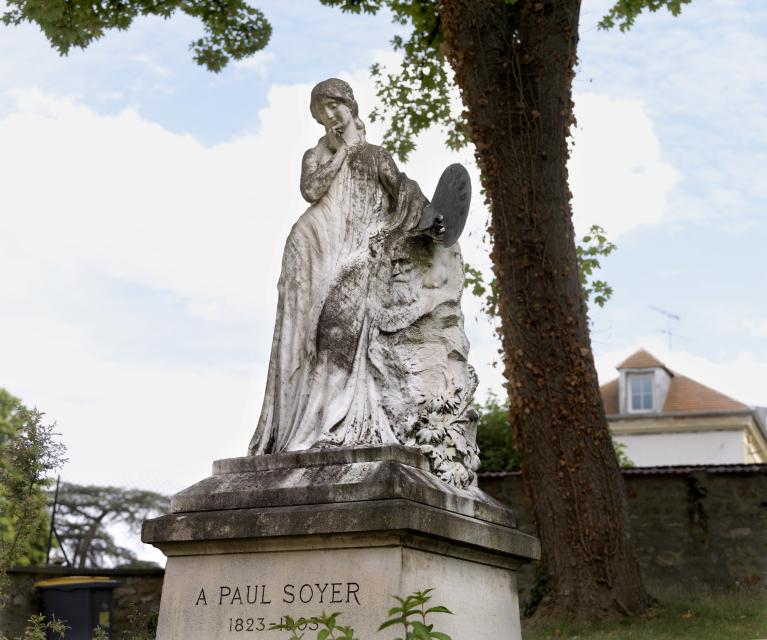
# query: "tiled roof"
[[640, 360], [609, 393], [684, 394]]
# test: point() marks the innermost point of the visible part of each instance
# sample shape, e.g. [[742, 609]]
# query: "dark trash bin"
[[82, 602]]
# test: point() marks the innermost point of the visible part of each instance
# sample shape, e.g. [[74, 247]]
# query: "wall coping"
[[668, 470], [60, 570]]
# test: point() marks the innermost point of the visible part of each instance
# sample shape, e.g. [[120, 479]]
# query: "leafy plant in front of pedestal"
[[100, 633], [38, 628], [141, 623], [411, 615], [406, 615]]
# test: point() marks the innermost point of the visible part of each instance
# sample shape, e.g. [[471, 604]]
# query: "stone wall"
[[139, 589], [696, 528]]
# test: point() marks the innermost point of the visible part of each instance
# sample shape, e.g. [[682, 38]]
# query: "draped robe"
[[352, 355]]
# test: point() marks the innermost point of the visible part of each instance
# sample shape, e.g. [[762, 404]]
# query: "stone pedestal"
[[335, 530]]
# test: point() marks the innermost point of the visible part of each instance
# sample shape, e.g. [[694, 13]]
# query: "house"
[[665, 418]]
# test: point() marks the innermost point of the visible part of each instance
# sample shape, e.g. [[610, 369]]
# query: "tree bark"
[[514, 65]]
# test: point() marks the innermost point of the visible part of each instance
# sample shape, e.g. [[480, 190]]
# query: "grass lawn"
[[727, 617]]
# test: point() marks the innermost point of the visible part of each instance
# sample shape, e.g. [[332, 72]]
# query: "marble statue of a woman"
[[368, 346]]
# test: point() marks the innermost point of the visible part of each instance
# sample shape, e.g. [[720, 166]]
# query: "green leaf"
[[421, 631], [232, 30], [391, 623], [439, 609], [625, 12], [348, 633]]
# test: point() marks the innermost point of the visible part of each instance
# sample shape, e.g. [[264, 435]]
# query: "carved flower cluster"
[[441, 436]]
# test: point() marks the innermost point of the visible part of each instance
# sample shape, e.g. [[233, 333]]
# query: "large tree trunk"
[[514, 66]]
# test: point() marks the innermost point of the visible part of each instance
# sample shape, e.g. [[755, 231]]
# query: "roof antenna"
[[669, 317]]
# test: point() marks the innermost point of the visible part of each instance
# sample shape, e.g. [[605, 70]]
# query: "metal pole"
[[63, 548], [53, 519]]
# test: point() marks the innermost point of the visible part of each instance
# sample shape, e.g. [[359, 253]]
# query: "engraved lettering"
[[321, 593], [321, 590], [201, 598], [301, 593], [352, 591]]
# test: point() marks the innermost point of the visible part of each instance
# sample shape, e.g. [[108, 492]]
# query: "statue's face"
[[334, 114]]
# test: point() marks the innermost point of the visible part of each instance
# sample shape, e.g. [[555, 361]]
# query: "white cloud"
[[258, 63], [619, 178], [123, 196], [151, 65], [756, 328], [112, 96], [127, 424], [703, 76]]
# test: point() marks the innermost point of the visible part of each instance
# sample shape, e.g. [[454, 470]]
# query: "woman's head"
[[332, 91]]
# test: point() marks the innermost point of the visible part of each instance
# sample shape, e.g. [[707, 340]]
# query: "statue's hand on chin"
[[335, 141]]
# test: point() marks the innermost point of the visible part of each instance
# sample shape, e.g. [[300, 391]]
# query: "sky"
[[144, 203]]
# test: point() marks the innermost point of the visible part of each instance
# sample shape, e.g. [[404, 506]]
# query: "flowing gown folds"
[[351, 352]]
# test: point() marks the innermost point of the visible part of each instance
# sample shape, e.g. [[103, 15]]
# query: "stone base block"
[[335, 531], [233, 595]]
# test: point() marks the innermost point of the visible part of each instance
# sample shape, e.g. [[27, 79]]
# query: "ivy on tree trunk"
[[515, 67]]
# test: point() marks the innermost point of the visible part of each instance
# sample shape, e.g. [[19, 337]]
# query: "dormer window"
[[640, 394], [642, 387]]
